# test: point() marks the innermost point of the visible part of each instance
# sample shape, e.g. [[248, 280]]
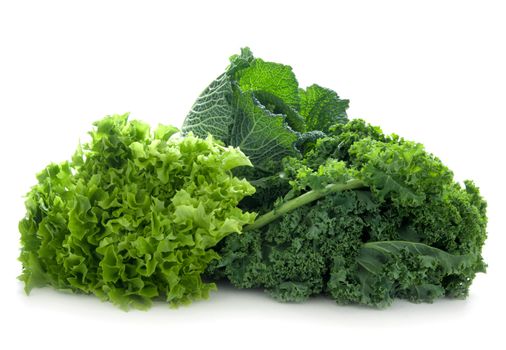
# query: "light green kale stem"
[[302, 200]]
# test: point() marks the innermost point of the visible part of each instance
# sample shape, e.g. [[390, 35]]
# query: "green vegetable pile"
[[316, 204]]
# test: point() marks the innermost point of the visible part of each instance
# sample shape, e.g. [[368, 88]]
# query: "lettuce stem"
[[301, 200]]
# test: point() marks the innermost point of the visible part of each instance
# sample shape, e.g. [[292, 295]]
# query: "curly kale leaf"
[[259, 107], [367, 218], [291, 257], [134, 216], [414, 271]]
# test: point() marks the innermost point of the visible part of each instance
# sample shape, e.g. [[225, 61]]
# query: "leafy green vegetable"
[[133, 216], [343, 209], [363, 218], [259, 107], [322, 108], [413, 270]]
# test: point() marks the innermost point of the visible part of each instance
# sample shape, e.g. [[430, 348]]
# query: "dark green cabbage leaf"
[[259, 107]]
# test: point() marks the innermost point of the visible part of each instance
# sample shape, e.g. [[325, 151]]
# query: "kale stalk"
[[302, 200]]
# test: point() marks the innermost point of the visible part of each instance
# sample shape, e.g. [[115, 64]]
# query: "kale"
[[367, 218]]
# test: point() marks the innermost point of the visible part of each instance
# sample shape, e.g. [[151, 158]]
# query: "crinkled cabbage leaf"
[[258, 106]]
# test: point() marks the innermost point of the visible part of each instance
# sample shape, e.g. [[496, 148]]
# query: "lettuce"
[[133, 216]]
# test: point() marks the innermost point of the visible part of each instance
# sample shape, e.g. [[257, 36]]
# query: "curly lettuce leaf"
[[134, 216]]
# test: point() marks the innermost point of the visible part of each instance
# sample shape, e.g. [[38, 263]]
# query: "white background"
[[431, 71]]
